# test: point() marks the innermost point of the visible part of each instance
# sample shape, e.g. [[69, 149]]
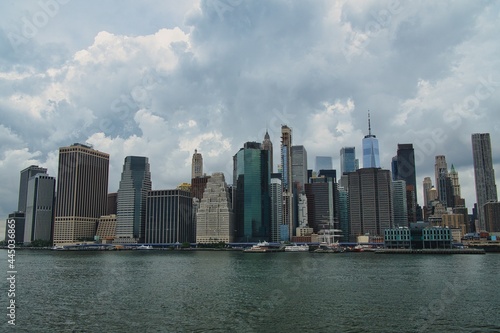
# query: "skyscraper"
[[486, 188], [427, 185], [82, 190], [441, 171], [196, 165], [276, 193], [26, 174], [370, 202], [169, 217], [299, 167], [371, 157], [348, 161], [39, 208], [215, 218], [323, 163], [268, 145], [252, 193], [134, 186], [406, 171], [399, 203], [286, 179]]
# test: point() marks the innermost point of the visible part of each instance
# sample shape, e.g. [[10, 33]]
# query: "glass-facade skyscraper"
[[25, 176], [39, 208], [131, 201], [299, 166], [323, 163], [486, 188], [371, 158], [252, 193], [348, 161]]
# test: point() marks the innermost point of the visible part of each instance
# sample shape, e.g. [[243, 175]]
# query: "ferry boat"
[[58, 248], [259, 247], [144, 247], [297, 248]]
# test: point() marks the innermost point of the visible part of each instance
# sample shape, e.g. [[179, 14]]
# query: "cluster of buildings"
[[293, 203]]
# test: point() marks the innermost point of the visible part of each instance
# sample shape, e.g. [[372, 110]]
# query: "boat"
[[144, 247], [260, 247], [297, 248], [58, 248], [329, 248]]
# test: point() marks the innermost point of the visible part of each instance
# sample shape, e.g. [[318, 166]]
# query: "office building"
[[399, 203], [299, 167], [492, 216], [320, 194], [343, 213], [253, 202], [268, 145], [427, 185], [370, 202], [441, 172], [134, 186], [276, 193], [371, 158], [198, 186], [196, 165], [25, 176], [169, 217], [82, 191], [348, 160], [286, 179], [17, 220], [112, 203], [215, 218], [39, 208], [106, 229], [406, 171], [486, 188]]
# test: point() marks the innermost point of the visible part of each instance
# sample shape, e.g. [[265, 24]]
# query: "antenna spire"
[[369, 125]]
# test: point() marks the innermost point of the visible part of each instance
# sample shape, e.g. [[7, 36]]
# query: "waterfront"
[[176, 291]]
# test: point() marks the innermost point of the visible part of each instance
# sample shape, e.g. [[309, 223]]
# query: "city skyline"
[[208, 77]]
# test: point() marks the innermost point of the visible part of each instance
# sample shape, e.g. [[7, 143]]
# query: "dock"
[[430, 251]]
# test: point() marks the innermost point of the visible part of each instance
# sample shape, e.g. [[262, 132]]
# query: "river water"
[[204, 291]]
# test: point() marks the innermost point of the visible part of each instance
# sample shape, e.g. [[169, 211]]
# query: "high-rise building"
[[321, 204], [427, 185], [82, 191], [370, 202], [441, 171], [112, 203], [252, 193], [486, 188], [323, 163], [134, 186], [348, 160], [399, 202], [215, 218], [286, 179], [25, 176], [276, 193], [371, 158], [16, 220], [169, 217], [343, 213], [196, 165], [406, 171], [299, 167], [198, 186], [492, 216], [268, 145], [39, 208]]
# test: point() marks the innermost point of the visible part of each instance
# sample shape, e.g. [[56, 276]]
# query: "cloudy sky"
[[161, 78]]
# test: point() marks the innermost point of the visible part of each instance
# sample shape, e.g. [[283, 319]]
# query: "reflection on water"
[[167, 291]]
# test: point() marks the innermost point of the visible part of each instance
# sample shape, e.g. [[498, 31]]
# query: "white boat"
[[297, 248], [259, 247], [58, 247], [144, 247]]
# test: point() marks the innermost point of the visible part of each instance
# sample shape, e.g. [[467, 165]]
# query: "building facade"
[[287, 178], [268, 145], [82, 190], [39, 208], [134, 186], [484, 174], [25, 176], [371, 155], [299, 167], [169, 217], [399, 203], [196, 165], [215, 218]]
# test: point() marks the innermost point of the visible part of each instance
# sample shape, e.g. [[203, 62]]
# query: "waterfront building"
[[39, 214], [370, 202], [214, 217], [268, 145], [399, 203], [82, 191], [196, 165], [484, 174], [286, 179], [253, 201], [134, 186], [418, 236], [25, 176], [299, 167], [19, 221], [323, 163], [169, 217], [492, 216], [106, 228], [276, 193], [371, 158]]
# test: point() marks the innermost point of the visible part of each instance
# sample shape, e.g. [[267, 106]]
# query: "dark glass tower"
[[26, 174], [252, 193], [406, 171], [131, 202]]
